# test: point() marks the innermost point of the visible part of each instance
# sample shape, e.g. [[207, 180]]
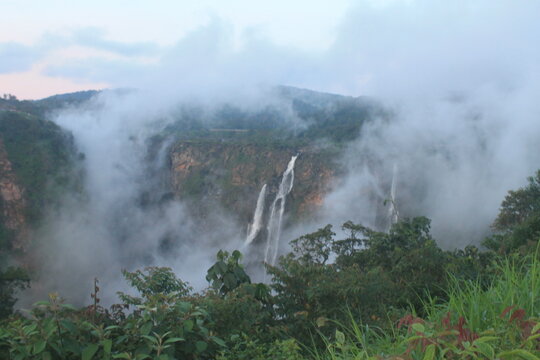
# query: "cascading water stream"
[[393, 214], [255, 226], [276, 216]]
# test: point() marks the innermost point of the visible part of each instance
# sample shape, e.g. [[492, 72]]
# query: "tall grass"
[[516, 285], [359, 342]]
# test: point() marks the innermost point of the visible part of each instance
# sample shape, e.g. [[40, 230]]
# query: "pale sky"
[[354, 47], [36, 34]]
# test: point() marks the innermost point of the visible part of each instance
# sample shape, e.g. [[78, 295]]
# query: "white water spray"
[[393, 213], [274, 222], [255, 226]]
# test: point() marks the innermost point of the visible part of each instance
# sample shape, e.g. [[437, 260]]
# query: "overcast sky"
[[346, 46], [36, 35]]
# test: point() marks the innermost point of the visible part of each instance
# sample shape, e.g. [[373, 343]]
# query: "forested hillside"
[[37, 165]]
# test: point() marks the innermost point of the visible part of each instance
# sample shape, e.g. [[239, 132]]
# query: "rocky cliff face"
[[12, 203], [233, 175], [36, 158]]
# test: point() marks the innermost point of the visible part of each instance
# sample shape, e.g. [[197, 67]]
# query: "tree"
[[519, 205], [373, 276], [154, 282], [12, 279], [518, 221], [227, 273]]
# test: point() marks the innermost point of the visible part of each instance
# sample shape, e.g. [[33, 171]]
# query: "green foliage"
[[376, 275], [475, 323], [515, 337], [227, 273], [12, 279], [499, 320], [164, 325], [41, 157], [236, 305], [306, 116], [371, 295], [153, 282], [518, 222], [246, 348], [314, 248], [45, 106], [471, 264], [517, 284], [245, 310], [167, 323], [519, 205]]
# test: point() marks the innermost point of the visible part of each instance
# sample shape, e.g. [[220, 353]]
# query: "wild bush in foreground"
[[163, 325], [500, 322]]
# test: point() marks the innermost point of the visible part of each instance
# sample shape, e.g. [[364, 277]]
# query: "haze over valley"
[[410, 127]]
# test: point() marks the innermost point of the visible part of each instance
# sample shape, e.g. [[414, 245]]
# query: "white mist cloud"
[[461, 78], [112, 226]]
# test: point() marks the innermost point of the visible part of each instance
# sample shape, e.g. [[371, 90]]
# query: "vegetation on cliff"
[[291, 117], [369, 295], [38, 165], [233, 174], [40, 154]]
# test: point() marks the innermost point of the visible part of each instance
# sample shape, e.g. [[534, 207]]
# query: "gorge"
[[97, 182]]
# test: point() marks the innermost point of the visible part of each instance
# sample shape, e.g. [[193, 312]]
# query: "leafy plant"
[[227, 273]]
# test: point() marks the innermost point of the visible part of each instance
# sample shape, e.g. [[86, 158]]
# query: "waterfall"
[[255, 226], [393, 213], [276, 216]]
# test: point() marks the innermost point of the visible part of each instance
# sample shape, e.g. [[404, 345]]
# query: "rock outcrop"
[[233, 174], [12, 203]]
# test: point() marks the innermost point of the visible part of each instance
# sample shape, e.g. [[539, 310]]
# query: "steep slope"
[[44, 106], [223, 157], [12, 205], [36, 158], [233, 174]]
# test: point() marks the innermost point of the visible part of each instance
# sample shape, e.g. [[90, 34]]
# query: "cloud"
[[460, 77], [462, 80], [96, 38], [421, 45], [97, 69], [204, 59], [17, 57]]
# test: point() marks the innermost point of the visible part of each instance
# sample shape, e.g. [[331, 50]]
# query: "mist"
[[461, 79]]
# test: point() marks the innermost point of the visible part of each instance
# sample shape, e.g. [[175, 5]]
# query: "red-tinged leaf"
[[409, 320], [519, 314], [462, 334], [527, 328], [406, 320], [506, 311], [446, 320]]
